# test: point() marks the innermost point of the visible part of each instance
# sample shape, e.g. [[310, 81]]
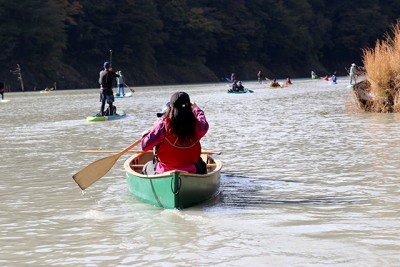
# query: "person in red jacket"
[[177, 138]]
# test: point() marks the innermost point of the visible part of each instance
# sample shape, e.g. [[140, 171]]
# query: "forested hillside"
[[184, 41]]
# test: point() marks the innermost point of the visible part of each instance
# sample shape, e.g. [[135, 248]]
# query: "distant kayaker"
[[233, 78], [333, 78], [234, 87], [2, 89], [120, 83], [288, 81], [177, 135], [275, 84], [240, 87], [106, 80], [313, 75], [352, 73]]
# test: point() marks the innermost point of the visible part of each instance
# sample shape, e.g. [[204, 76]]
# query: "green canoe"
[[174, 189], [119, 115]]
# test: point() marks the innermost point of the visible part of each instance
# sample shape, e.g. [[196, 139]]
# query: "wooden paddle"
[[139, 151], [95, 170]]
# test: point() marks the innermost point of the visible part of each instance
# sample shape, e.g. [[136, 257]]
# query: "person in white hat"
[[352, 73]]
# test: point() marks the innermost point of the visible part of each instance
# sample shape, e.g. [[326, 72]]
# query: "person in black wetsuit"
[[2, 90], [106, 80]]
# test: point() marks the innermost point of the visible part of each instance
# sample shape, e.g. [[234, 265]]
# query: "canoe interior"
[[175, 189]]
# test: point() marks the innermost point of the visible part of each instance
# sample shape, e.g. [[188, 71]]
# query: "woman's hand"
[[194, 105]]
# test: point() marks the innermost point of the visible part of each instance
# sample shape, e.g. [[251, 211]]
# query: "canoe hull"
[[281, 85], [119, 115], [240, 92], [171, 190]]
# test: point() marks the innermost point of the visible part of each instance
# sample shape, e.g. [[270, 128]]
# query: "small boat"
[[173, 189], [5, 100], [123, 96], [278, 86], [119, 115], [46, 91], [240, 92]]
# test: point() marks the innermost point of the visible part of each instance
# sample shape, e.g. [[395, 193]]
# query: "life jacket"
[[170, 152]]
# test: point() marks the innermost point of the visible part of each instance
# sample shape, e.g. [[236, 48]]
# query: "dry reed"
[[394, 58], [382, 68]]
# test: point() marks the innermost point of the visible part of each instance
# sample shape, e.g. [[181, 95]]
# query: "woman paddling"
[[177, 138]]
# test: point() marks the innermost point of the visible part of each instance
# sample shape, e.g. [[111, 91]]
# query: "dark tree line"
[[182, 41]]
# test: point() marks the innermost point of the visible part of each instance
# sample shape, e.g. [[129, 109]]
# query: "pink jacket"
[[157, 135]]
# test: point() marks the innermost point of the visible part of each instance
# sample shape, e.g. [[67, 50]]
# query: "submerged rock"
[[386, 101]]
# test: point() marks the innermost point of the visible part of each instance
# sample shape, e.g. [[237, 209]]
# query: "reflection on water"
[[306, 181]]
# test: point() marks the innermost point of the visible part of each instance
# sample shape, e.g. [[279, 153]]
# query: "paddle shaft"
[[209, 165], [129, 87], [139, 151]]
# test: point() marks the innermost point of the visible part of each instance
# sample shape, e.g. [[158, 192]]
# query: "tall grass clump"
[[382, 67], [395, 66], [377, 67], [394, 59]]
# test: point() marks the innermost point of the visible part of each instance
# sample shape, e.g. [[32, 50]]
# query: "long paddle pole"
[[95, 170], [110, 57], [129, 87]]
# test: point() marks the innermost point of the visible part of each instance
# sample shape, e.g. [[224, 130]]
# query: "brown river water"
[[306, 181]]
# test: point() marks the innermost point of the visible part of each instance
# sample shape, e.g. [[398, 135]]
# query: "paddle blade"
[[94, 171]]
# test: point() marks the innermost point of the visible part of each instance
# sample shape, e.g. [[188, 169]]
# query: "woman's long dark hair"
[[183, 121]]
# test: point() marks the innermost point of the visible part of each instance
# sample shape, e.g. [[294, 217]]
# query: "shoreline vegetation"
[[178, 42], [380, 91]]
